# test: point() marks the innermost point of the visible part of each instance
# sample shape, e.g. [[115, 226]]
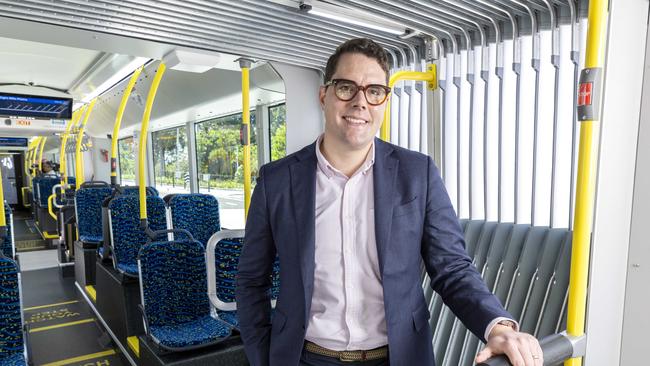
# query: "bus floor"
[[62, 329]]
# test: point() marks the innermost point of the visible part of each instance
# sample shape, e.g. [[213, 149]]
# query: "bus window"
[[126, 160], [170, 160], [278, 131], [220, 169]]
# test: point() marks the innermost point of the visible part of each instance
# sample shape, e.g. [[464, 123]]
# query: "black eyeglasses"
[[346, 90]]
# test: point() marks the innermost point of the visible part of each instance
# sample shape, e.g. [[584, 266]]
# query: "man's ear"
[[321, 96]]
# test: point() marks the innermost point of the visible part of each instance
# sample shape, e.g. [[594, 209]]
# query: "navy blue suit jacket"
[[414, 222]]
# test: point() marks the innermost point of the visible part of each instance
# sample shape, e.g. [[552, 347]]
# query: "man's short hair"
[[364, 46]]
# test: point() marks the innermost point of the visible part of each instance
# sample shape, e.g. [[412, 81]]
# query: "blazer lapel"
[[303, 197], [385, 174]]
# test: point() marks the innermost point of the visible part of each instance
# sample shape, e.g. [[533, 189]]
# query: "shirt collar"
[[330, 171]]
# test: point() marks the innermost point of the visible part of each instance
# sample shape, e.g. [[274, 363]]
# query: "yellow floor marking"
[[41, 329], [134, 345], [50, 305], [91, 291], [81, 358]]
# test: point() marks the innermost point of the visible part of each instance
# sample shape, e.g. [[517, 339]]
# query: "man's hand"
[[521, 348]]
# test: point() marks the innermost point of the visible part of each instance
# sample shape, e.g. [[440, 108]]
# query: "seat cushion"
[[91, 238], [200, 332], [16, 359], [229, 317]]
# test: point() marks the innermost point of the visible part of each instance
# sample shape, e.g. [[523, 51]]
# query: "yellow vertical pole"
[[245, 65], [78, 156], [142, 153], [40, 153], [64, 143], [35, 155], [118, 123], [430, 76], [584, 206]]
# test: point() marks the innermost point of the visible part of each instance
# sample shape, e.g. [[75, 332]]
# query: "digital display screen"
[[19, 105], [13, 142]]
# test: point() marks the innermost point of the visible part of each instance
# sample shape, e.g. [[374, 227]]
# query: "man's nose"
[[359, 100]]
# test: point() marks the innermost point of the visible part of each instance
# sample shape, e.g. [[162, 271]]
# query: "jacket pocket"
[[421, 317], [405, 208]]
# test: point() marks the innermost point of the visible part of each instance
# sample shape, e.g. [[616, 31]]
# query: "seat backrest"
[[88, 206], [44, 186], [7, 248], [126, 234], [133, 190], [173, 282], [11, 325], [227, 254], [196, 213]]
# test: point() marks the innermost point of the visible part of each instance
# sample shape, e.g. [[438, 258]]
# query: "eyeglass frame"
[[333, 82]]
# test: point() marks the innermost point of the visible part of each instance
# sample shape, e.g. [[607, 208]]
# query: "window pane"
[[126, 161], [171, 167], [278, 131], [220, 159]]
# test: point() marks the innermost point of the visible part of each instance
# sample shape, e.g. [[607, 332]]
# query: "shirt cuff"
[[494, 322]]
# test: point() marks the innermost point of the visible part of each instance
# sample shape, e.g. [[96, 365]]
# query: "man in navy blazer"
[[413, 222]]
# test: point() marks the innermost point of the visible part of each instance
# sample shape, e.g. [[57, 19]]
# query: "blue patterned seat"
[[174, 296], [227, 254], [133, 190], [44, 187], [7, 247], [11, 328], [196, 213], [126, 235], [88, 206]]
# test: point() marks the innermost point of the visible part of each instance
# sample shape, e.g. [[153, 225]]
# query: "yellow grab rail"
[[585, 184], [49, 206], [47, 235], [245, 65], [430, 76], [34, 156], [118, 122], [25, 201], [64, 142], [143, 140], [78, 157], [40, 154]]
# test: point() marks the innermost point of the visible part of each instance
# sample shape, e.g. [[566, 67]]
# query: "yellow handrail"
[[246, 121], [79, 160], [40, 154], [47, 235], [585, 184], [25, 201], [34, 156], [430, 76], [49, 205], [143, 140], [118, 122], [64, 142]]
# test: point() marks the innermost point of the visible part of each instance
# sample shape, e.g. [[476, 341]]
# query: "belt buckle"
[[349, 356]]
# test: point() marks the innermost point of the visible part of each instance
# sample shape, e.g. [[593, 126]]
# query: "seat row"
[[171, 266]]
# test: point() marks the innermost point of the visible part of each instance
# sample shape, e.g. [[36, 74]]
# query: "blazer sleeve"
[[450, 268], [254, 279]]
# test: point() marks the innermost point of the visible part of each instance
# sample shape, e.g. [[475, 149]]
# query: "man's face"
[[353, 124]]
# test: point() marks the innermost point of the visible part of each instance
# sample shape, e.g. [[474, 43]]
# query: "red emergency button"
[[585, 94]]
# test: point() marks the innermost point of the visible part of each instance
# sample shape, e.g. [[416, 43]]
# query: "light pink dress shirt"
[[347, 306]]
